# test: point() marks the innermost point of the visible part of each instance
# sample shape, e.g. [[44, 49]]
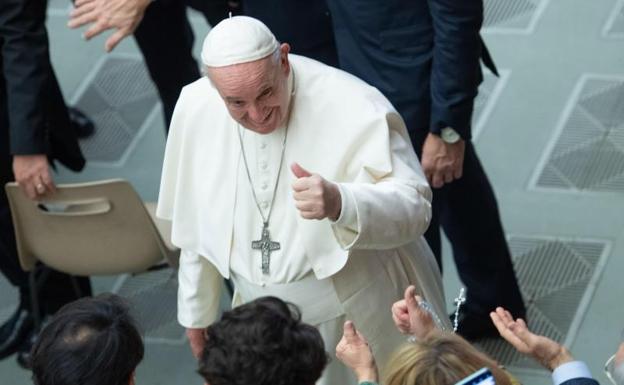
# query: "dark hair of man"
[[262, 342], [90, 341]]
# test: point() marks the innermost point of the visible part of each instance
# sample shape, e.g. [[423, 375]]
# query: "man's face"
[[256, 93]]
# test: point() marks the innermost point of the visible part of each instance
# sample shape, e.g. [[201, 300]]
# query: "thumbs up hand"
[[409, 317], [315, 197]]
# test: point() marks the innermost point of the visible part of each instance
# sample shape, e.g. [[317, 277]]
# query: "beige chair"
[[95, 228]]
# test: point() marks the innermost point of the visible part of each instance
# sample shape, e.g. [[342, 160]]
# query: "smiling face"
[[256, 93]]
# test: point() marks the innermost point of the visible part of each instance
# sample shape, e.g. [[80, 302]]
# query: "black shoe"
[[15, 331], [474, 326], [83, 126]]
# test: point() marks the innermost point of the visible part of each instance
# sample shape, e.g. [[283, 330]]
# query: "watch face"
[[449, 135]]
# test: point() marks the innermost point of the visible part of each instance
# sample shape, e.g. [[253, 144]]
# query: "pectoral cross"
[[266, 245]]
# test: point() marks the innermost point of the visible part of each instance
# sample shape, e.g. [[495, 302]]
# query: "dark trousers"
[[57, 290], [468, 212], [389, 45], [166, 39]]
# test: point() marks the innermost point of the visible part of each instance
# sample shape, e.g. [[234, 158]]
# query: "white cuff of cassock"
[[348, 216], [199, 291], [570, 370], [346, 227]]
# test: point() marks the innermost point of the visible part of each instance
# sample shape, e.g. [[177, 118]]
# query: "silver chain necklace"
[[265, 244]]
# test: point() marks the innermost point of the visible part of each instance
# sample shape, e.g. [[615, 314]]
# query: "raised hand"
[[123, 16], [547, 352], [315, 197], [354, 352], [409, 317]]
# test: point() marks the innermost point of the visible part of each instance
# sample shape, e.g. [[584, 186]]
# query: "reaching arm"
[[123, 16], [547, 352], [354, 352]]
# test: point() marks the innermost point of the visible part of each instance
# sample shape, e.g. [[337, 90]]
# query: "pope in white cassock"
[[297, 180]]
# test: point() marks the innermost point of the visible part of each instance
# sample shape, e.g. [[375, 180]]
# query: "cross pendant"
[[266, 245]]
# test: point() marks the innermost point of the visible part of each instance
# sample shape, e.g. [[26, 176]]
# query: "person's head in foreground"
[[440, 358], [262, 342], [250, 70], [91, 341]]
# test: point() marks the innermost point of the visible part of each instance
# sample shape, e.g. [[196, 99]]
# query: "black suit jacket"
[[304, 24], [33, 114], [423, 55]]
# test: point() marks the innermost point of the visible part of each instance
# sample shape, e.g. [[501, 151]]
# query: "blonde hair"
[[440, 359]]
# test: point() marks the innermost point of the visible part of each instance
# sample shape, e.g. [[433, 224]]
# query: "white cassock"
[[354, 268]]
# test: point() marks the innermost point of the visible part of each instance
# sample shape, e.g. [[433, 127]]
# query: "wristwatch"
[[450, 136]]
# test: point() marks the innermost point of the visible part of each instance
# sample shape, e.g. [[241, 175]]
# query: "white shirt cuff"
[[348, 215], [570, 370]]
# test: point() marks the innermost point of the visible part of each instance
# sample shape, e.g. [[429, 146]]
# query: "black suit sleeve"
[[26, 66], [456, 72]]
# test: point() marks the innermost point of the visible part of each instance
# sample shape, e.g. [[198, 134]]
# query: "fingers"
[[95, 30], [79, 3], [86, 16], [458, 171], [82, 9], [508, 329], [29, 190], [115, 38], [400, 316], [47, 182], [349, 332], [411, 301], [437, 179], [299, 171]]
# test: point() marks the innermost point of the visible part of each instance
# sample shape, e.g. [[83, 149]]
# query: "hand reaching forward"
[[122, 15], [544, 350], [409, 317], [442, 162], [315, 197], [354, 352]]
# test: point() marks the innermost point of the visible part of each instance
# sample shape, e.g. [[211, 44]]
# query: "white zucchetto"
[[238, 39]]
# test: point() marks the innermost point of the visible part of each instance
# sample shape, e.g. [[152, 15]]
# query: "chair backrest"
[[86, 229]]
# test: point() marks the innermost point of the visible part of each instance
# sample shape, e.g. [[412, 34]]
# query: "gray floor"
[[550, 132]]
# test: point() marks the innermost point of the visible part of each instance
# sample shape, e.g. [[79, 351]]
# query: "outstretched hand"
[[354, 352], [409, 317], [547, 352], [123, 16], [315, 197]]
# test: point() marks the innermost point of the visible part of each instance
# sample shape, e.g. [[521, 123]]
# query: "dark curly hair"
[[91, 341], [262, 342]]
